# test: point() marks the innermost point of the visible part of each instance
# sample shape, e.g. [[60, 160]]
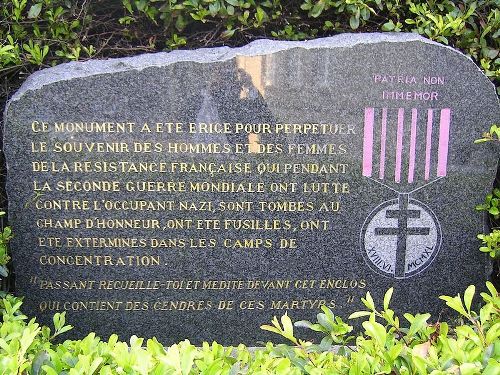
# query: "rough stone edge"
[[71, 70]]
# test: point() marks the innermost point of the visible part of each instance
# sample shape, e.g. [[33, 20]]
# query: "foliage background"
[[42, 33]]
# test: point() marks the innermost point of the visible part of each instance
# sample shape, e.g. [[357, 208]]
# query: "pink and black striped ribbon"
[[402, 132]]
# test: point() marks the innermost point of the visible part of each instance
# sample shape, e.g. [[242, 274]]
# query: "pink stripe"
[[383, 137], [413, 144], [368, 142], [444, 138], [428, 145], [399, 145]]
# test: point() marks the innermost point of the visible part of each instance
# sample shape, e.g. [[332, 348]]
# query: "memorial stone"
[[196, 194]]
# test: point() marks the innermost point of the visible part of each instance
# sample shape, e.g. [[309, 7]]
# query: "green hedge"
[[387, 345], [41, 33]]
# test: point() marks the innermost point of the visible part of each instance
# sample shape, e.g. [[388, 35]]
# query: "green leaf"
[[59, 319], [388, 26], [325, 322], [359, 314], [260, 15], [7, 232], [469, 369], [49, 370], [468, 295], [95, 365], [214, 8], [395, 351], [65, 329], [419, 322], [306, 6], [35, 10], [368, 301], [376, 331], [491, 289], [180, 23], [492, 367], [267, 327], [420, 364], [455, 303], [286, 331], [4, 272], [40, 359], [317, 9], [303, 324], [287, 325], [188, 355], [6, 48], [442, 39], [493, 333], [228, 33], [128, 6], [387, 298], [354, 22]]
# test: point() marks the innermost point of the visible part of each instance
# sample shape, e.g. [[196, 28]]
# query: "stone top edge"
[[71, 70]]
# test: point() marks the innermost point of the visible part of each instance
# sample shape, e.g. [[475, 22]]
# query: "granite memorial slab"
[[195, 194]]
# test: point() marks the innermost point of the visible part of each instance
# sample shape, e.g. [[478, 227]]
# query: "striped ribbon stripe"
[[406, 130]]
